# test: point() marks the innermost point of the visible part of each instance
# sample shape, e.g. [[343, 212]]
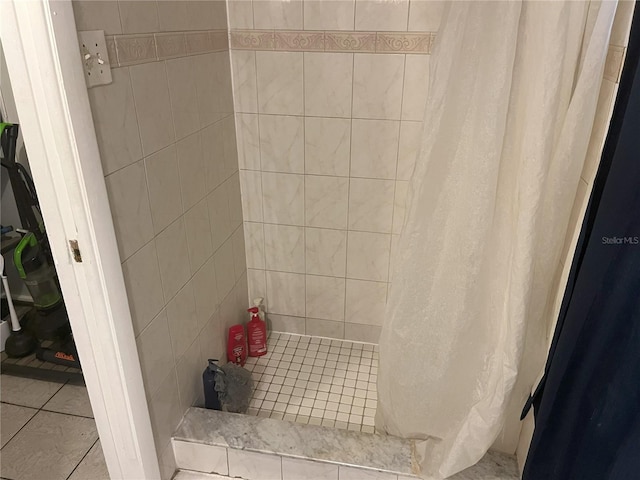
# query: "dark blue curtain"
[[587, 408]]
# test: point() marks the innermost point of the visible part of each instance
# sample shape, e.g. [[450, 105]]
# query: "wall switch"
[[95, 58]]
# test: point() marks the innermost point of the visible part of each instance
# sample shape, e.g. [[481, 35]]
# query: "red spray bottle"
[[257, 333]]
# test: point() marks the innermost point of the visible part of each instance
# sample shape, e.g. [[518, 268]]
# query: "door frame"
[[43, 59]]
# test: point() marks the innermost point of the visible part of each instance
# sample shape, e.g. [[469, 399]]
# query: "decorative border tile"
[[170, 45], [299, 41], [350, 42], [330, 41], [126, 50], [613, 63], [403, 43], [135, 49], [252, 40]]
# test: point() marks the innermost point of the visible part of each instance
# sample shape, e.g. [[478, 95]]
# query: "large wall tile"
[[172, 15], [225, 269], [201, 457], [241, 14], [114, 117], [154, 350], [365, 302], [410, 139], [198, 229], [232, 186], [324, 328], [282, 143], [283, 198], [325, 252], [189, 374], [284, 248], [368, 256], [151, 94], [97, 15], [377, 86], [173, 258], [286, 323], [138, 17], [297, 469], [400, 206], [254, 238], [279, 77], [192, 171], [183, 322], [251, 465], [182, 91], [205, 71], [328, 79], [219, 217], [374, 148], [416, 83], [425, 16], [327, 146], [371, 204], [164, 409], [370, 334], [164, 190], [285, 292], [212, 156], [325, 297], [129, 201], [251, 187], [326, 201], [239, 255], [205, 292], [245, 88], [257, 281], [248, 141], [382, 15], [144, 289], [269, 14], [329, 14]]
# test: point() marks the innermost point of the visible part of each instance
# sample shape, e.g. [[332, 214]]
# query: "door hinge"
[[75, 250]]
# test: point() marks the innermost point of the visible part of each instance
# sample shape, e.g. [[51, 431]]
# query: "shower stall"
[[266, 149]]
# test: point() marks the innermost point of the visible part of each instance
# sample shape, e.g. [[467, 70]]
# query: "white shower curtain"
[[512, 97]]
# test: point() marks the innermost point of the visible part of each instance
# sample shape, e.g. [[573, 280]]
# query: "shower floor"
[[317, 381]]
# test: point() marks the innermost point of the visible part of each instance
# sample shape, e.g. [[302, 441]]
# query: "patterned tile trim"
[[319, 41], [125, 50]]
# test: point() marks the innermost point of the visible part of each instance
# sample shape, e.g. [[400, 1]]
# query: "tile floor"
[[318, 381], [48, 432]]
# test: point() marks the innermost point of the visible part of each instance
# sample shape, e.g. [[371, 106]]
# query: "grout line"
[[83, 457]]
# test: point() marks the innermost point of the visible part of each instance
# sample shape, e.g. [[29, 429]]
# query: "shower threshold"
[[316, 381], [311, 416]]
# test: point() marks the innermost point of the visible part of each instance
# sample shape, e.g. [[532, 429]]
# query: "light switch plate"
[[95, 58]]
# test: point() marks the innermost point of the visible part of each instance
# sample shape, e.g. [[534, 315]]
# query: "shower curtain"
[[511, 102]]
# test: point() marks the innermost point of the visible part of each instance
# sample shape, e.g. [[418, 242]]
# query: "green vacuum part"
[[4, 125], [38, 275]]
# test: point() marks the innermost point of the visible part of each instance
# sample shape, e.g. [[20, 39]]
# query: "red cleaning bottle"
[[257, 333], [237, 345]]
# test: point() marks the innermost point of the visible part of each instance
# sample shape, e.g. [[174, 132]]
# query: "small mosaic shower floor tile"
[[318, 381]]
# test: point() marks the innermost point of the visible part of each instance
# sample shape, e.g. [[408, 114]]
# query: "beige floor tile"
[[92, 466], [12, 419], [48, 447], [72, 399], [26, 391]]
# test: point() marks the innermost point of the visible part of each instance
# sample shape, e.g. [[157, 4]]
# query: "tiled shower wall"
[[166, 134], [329, 99]]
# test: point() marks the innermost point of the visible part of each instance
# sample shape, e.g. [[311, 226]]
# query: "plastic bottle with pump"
[[257, 330]]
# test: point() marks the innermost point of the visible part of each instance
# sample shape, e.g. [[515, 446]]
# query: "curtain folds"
[[512, 97]]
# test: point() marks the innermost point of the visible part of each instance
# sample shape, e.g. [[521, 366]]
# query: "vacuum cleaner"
[[48, 320]]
